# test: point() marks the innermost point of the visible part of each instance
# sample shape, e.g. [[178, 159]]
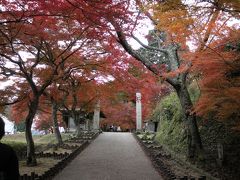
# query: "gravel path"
[[112, 156]]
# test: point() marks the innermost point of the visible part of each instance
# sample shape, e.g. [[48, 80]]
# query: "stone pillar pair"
[[96, 116]]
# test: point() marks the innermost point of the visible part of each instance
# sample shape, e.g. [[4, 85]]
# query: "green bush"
[[171, 129], [172, 134], [20, 127]]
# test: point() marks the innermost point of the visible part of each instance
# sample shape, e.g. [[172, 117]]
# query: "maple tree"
[[48, 116], [219, 82], [178, 81], [19, 111], [80, 99], [119, 105], [81, 85], [43, 122], [175, 23], [206, 29], [218, 64], [40, 38], [117, 14], [120, 114], [55, 100], [98, 32], [230, 6]]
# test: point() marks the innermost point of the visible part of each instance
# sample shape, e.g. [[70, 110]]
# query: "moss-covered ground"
[[171, 131], [172, 135]]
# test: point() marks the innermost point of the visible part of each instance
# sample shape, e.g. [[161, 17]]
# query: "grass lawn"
[[20, 138], [38, 139], [18, 142]]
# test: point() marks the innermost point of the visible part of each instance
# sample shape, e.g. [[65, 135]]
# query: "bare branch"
[[149, 47], [13, 102]]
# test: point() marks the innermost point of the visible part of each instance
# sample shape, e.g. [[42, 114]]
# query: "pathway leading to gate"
[[112, 156]]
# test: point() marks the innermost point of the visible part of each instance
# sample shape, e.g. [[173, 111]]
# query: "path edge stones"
[[147, 153], [73, 155], [57, 168]]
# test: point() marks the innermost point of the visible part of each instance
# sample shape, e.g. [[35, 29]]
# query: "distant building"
[[9, 125], [84, 118]]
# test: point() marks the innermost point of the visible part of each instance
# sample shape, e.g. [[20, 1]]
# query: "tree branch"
[[122, 40], [149, 47]]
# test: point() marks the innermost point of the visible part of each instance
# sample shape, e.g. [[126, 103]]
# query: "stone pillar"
[[96, 116], [138, 112], [71, 125], [87, 125]]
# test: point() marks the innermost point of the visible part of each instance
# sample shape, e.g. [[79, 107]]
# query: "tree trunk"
[[55, 123], [173, 63], [31, 159], [194, 139]]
